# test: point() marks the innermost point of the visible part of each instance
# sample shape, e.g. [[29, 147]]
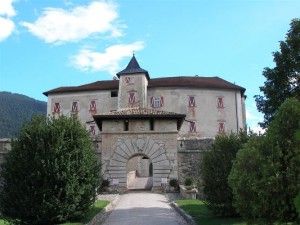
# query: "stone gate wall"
[[190, 154]]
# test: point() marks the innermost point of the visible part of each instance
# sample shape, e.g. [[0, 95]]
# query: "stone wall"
[[190, 154]]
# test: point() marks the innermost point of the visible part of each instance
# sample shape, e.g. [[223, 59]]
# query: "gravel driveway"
[[143, 208]]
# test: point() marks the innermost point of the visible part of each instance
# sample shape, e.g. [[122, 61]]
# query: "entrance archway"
[[139, 173], [159, 166]]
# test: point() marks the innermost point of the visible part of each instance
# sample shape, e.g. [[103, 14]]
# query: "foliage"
[[14, 110], [173, 183], [202, 215], [51, 173], [97, 207], [283, 81], [297, 204], [265, 176], [215, 168], [188, 181]]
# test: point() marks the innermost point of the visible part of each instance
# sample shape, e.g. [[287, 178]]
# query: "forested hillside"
[[14, 110]]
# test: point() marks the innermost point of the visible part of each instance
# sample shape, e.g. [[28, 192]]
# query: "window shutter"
[[152, 102], [161, 101]]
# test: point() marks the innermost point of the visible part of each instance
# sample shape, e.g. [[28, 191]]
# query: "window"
[[157, 102], [56, 108], [114, 94], [221, 127], [220, 103], [126, 125], [151, 124], [192, 102], [92, 130], [74, 107], [193, 126], [93, 107]]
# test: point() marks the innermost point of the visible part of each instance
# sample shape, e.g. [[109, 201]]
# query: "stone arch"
[[129, 148]]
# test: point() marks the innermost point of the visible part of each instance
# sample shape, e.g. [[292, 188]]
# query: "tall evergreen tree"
[[282, 81]]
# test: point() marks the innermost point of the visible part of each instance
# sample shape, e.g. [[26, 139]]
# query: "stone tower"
[[132, 86]]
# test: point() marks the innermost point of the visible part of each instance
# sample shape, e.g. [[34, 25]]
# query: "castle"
[[151, 127]]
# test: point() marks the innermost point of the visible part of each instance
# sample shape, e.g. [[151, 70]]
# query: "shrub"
[[51, 173], [265, 176], [173, 183], [215, 168], [188, 181]]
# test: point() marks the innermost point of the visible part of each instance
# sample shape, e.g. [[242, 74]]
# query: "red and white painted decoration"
[[220, 103], [193, 126], [92, 130], [93, 107], [74, 107], [131, 99], [192, 102], [129, 80], [221, 127], [56, 109]]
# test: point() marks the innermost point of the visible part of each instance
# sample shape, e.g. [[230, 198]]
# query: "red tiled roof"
[[189, 82], [98, 85], [138, 111]]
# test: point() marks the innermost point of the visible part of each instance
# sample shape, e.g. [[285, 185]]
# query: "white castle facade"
[[140, 124]]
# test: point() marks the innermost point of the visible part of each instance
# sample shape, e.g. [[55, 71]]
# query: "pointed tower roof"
[[133, 67]]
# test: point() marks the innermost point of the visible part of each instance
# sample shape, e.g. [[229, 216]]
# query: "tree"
[[51, 173], [283, 80], [215, 168], [265, 176]]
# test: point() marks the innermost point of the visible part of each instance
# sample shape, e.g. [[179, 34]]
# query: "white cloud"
[[253, 119], [6, 8], [57, 25], [6, 24], [88, 60]]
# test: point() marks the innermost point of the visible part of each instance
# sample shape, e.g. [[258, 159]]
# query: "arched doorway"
[[139, 172]]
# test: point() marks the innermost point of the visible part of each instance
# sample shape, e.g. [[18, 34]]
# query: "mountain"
[[15, 109]]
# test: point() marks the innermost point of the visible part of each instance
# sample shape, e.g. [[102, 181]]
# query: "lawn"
[[202, 215], [98, 206]]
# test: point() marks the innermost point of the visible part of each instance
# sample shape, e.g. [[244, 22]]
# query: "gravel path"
[[141, 208]]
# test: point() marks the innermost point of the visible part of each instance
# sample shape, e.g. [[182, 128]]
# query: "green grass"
[[98, 206], [202, 215]]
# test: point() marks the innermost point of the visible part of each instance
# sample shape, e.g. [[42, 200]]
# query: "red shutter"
[[93, 106], [161, 101], [221, 127], [74, 107], [127, 80], [152, 102], [56, 107], [192, 102], [220, 102], [192, 127]]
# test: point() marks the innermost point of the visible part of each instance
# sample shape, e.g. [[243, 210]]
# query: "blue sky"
[[46, 44]]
